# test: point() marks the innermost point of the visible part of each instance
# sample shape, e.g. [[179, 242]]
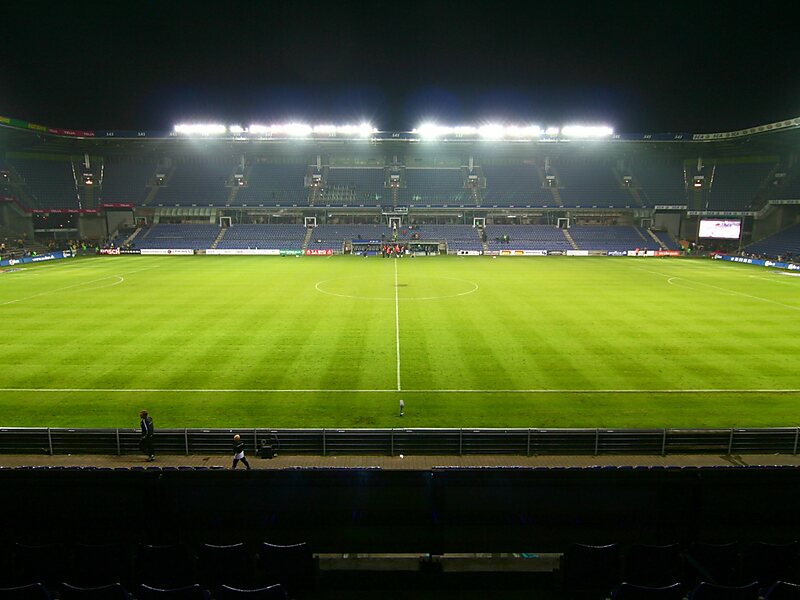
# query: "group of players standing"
[[392, 250]]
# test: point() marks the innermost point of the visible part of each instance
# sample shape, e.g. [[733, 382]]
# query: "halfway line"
[[397, 322]]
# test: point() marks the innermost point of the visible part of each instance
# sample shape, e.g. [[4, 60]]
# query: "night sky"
[[647, 66]]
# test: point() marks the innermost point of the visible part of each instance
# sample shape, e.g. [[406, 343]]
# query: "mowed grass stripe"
[[218, 341]]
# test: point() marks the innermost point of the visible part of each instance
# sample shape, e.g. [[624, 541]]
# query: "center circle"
[[364, 287]]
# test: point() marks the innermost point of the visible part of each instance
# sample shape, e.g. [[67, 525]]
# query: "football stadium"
[[495, 360]]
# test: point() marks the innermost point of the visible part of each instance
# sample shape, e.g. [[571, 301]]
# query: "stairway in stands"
[[132, 236], [307, 238], [655, 238], [570, 240], [221, 234]]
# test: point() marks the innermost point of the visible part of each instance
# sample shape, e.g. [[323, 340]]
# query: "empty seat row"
[[598, 568], [116, 591], [169, 566]]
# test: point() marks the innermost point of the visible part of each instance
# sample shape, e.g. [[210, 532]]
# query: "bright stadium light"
[[258, 129], [586, 131], [200, 128], [552, 131], [492, 131], [429, 131], [292, 129], [325, 129], [236, 129], [523, 132]]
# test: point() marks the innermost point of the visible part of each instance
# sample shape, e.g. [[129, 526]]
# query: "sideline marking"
[[407, 391]]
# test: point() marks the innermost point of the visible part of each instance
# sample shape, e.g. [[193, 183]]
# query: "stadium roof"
[[16, 135]]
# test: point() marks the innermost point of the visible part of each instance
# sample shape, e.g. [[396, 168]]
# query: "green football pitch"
[[336, 342]]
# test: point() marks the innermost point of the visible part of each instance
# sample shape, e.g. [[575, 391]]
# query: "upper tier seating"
[[435, 187], [51, 183], [355, 187], [126, 181], [273, 185], [735, 187], [590, 183], [660, 182], [514, 185], [198, 182]]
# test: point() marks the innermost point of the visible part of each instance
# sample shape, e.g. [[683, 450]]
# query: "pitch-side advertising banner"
[[171, 251], [245, 251], [314, 252]]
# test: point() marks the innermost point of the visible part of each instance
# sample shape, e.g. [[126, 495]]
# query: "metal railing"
[[391, 442]]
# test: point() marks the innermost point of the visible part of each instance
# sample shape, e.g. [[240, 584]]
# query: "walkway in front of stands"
[[418, 463]]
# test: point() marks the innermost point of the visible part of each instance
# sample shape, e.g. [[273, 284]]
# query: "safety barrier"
[[391, 442]]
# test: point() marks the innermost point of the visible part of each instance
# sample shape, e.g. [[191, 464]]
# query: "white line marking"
[[69, 287], [722, 289], [319, 287], [387, 391], [397, 322]]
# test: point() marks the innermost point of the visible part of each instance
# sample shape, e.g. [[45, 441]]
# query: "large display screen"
[[726, 229]]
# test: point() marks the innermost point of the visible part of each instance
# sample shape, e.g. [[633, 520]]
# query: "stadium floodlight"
[[492, 131], [552, 131], [429, 131], [258, 129], [292, 129], [200, 128], [237, 129], [325, 129], [523, 132], [586, 131]]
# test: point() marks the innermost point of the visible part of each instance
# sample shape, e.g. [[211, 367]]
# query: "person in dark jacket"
[[238, 452], [146, 441]]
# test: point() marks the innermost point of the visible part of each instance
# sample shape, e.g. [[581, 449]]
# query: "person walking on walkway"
[[238, 452], [146, 441]]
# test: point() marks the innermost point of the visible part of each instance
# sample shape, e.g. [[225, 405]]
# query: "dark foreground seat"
[[629, 591], [272, 592], [115, 591], [34, 591]]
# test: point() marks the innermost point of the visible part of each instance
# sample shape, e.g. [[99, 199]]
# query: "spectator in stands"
[[238, 452], [146, 441]]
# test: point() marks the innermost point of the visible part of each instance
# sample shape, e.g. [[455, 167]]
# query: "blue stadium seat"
[[114, 591], [46, 564], [712, 591], [652, 566], [33, 591], [781, 590], [188, 592], [292, 566], [589, 568], [713, 563], [225, 565], [767, 563], [165, 567], [104, 564]]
